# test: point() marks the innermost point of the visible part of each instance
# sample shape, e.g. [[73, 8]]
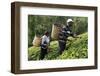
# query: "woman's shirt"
[[45, 41]]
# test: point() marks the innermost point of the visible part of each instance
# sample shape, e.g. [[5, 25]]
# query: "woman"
[[44, 45]]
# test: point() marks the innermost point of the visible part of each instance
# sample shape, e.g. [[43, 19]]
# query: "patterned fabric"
[[65, 32]]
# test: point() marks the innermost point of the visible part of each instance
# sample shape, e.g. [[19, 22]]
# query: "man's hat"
[[69, 20]]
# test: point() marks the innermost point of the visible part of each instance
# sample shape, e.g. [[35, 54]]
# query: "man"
[[44, 45], [64, 34]]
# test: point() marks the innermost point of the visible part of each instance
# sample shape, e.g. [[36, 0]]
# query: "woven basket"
[[37, 41], [56, 28]]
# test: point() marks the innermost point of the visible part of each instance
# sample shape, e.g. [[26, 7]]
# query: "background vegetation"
[[37, 24]]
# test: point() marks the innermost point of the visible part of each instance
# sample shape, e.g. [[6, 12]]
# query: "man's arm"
[[74, 35]]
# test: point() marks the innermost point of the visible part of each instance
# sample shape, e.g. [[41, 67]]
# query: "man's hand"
[[75, 36]]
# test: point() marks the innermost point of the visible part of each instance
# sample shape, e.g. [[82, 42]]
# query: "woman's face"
[[47, 34]]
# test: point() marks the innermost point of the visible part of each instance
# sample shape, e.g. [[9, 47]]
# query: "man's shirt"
[[65, 33]]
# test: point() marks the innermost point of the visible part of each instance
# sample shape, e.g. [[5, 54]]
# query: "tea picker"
[[64, 34], [44, 45]]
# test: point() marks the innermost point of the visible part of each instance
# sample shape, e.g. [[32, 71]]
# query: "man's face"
[[70, 24]]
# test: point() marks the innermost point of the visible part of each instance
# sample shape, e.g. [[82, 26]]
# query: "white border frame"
[[25, 64]]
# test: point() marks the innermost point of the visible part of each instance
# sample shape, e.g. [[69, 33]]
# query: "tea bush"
[[76, 48]]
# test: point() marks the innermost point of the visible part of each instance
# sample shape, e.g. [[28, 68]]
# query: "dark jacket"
[[65, 33]]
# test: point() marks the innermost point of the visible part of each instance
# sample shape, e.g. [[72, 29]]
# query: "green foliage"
[[80, 25], [33, 53], [76, 48], [37, 24]]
